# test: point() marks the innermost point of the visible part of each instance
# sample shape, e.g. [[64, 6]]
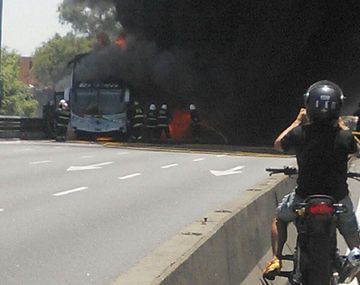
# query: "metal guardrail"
[[10, 127], [20, 127]]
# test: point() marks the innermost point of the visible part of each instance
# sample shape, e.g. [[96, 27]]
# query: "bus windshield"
[[91, 101]]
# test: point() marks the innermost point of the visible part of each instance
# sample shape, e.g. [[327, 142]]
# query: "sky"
[[29, 23]]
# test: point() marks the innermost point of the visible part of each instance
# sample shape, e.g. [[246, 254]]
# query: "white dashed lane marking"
[[199, 159], [39, 162], [70, 191], [169, 166], [129, 176]]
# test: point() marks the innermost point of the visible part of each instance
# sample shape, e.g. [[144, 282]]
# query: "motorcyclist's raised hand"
[[342, 124], [302, 117]]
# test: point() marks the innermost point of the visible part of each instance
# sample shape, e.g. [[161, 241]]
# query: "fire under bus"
[[98, 109]]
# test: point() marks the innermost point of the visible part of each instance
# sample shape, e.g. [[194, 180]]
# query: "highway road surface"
[[83, 214]]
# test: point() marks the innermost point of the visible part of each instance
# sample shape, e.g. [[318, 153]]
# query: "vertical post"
[[1, 13]]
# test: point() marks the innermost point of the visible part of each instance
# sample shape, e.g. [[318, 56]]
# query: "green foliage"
[[50, 61], [90, 17], [16, 98]]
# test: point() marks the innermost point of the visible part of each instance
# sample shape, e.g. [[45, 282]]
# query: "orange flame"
[[179, 125], [121, 42]]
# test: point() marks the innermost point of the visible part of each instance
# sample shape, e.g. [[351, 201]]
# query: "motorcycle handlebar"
[[287, 170], [351, 174]]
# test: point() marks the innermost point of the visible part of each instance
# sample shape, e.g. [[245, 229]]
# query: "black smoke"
[[244, 63], [250, 61]]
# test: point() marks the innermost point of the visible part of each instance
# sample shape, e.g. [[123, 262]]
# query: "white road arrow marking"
[[234, 170], [70, 191], [129, 176], [89, 167]]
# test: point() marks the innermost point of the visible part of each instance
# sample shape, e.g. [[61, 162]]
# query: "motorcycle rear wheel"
[[318, 264]]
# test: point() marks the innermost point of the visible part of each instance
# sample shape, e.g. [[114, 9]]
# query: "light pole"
[[1, 12], [1, 87]]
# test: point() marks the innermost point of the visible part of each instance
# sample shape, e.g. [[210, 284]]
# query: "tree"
[[90, 17], [50, 61], [16, 97]]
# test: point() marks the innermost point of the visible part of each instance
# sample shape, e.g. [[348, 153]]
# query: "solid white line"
[[70, 191], [129, 176], [220, 155], [199, 159], [170, 165], [39, 162]]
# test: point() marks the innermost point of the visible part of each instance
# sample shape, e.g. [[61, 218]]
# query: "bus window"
[[111, 101]]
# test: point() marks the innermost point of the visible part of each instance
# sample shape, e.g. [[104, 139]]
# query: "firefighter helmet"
[[323, 101], [164, 107], [152, 107], [192, 107], [62, 103]]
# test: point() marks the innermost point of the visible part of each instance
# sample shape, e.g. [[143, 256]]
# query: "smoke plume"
[[245, 64]]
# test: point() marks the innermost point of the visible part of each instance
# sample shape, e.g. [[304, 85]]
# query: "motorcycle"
[[316, 259]]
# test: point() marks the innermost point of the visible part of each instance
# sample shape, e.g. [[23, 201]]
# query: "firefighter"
[[151, 123], [163, 120], [49, 117], [62, 116], [136, 122], [195, 122]]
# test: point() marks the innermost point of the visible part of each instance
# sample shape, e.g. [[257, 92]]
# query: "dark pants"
[[61, 133], [166, 130], [195, 131], [150, 134], [137, 133]]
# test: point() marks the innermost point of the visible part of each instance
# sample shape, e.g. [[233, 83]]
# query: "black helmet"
[[323, 101]]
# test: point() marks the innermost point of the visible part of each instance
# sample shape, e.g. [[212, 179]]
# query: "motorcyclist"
[[322, 143]]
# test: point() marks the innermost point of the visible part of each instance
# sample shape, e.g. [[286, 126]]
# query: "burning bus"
[[98, 102]]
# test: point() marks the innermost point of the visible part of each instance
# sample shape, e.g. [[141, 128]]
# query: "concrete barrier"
[[223, 248]]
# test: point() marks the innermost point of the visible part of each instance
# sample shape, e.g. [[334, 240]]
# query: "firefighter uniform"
[[195, 123], [137, 122], [62, 116], [163, 120], [151, 123]]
